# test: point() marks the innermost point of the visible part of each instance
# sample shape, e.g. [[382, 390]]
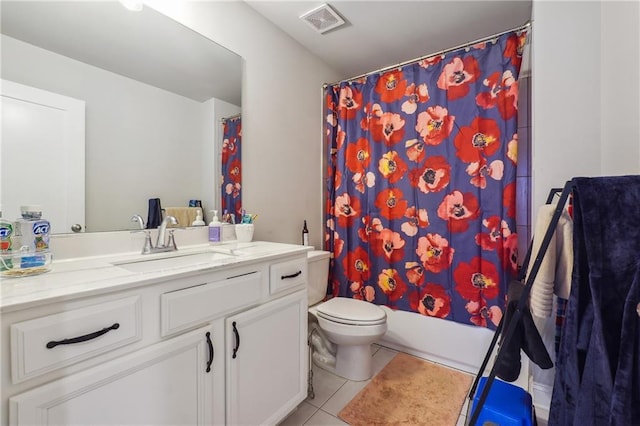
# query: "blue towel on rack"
[[597, 377]]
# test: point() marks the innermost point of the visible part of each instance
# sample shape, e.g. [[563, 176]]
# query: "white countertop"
[[87, 276]]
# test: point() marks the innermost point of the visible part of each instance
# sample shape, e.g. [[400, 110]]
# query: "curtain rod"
[[233, 117], [441, 52]]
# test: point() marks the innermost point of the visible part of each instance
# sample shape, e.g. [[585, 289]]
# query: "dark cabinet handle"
[[211, 354], [235, 331], [52, 344], [284, 277]]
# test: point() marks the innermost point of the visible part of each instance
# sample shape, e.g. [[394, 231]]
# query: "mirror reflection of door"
[[231, 182], [43, 135]]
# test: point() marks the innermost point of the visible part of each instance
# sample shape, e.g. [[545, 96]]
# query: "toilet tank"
[[318, 275]]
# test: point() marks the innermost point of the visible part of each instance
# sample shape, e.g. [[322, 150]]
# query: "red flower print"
[[357, 265], [361, 180], [388, 245], [350, 102], [480, 313], [392, 166], [435, 125], [477, 279], [503, 94], [337, 179], [387, 127], [435, 253], [415, 150], [229, 148], [457, 75], [514, 47], [391, 284], [415, 273], [492, 239], [416, 95], [391, 86], [433, 176], [512, 149], [510, 253], [426, 63], [480, 170], [340, 137], [509, 199], [370, 227], [391, 204], [370, 112], [358, 156], [416, 218], [233, 189], [235, 171], [433, 301], [346, 210], [362, 292], [482, 137], [458, 209]]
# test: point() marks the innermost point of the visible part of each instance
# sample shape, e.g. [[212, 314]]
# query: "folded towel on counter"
[[184, 215], [554, 275]]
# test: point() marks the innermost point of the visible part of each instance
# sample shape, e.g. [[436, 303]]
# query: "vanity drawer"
[[289, 274], [48, 343], [192, 306]]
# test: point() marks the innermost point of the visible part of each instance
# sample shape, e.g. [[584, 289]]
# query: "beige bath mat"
[[410, 391]]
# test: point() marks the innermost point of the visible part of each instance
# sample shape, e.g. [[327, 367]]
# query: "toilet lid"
[[351, 311]]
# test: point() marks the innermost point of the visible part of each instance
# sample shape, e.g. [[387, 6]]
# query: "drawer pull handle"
[[52, 344], [284, 277], [235, 331], [211, 354]]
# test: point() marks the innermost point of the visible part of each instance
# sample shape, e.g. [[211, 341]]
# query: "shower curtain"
[[420, 191], [232, 168]]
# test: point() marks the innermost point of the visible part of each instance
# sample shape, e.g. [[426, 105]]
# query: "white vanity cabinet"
[[168, 383], [170, 359]]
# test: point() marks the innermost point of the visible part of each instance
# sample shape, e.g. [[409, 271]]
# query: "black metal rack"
[[517, 316]]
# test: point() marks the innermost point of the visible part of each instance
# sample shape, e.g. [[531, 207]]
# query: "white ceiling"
[[383, 33]]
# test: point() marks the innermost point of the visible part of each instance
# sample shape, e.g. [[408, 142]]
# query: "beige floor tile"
[[300, 415], [321, 418], [325, 384], [343, 396], [382, 358]]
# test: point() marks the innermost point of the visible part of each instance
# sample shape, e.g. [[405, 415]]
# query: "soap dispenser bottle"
[[198, 221], [214, 227]]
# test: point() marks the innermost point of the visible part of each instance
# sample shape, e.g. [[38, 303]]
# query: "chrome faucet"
[[161, 243], [148, 247]]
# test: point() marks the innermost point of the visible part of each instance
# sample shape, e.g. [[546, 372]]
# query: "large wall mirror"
[[149, 94]]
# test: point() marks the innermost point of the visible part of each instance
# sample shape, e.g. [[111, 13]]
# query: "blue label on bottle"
[[41, 228], [5, 232]]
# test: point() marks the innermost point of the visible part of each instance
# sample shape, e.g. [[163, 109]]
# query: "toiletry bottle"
[[214, 227], [35, 236], [305, 234], [198, 221], [6, 233]]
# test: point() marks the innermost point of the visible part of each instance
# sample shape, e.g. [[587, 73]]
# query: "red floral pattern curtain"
[[232, 168], [421, 183]]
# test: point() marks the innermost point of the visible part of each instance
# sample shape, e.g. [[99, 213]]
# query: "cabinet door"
[[267, 361], [164, 384]]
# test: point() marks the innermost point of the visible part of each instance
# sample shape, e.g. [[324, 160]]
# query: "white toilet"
[[352, 325]]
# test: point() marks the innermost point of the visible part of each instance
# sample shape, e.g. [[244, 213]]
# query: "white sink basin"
[[187, 260]]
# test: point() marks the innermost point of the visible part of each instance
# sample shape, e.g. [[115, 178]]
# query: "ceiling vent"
[[322, 19]]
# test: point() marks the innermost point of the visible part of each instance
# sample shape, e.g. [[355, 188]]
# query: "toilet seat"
[[351, 312]]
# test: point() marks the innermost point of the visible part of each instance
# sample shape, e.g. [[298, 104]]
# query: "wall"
[[281, 124], [585, 108], [141, 142]]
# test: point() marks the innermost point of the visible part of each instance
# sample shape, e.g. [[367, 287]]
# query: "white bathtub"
[[446, 342]]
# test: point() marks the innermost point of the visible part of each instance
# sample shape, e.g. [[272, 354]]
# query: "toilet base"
[[354, 362]]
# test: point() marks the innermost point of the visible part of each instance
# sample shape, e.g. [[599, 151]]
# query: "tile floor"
[[332, 393]]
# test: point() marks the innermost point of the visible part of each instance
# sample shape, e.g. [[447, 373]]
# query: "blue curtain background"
[[232, 168], [421, 183]]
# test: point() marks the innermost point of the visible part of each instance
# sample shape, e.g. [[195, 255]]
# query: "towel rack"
[[510, 330]]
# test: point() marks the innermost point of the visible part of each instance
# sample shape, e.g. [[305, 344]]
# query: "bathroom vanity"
[[204, 335]]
